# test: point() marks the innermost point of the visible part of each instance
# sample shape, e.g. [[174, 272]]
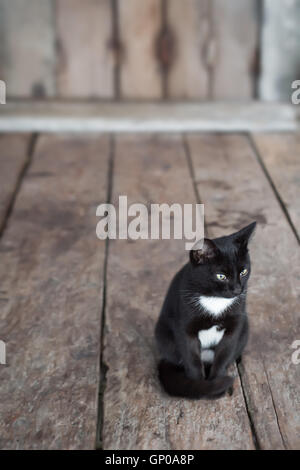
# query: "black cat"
[[203, 326]]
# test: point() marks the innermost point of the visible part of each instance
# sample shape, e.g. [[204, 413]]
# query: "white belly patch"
[[210, 337], [215, 305], [207, 355]]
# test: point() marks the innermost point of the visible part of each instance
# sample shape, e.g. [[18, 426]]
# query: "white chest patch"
[[210, 337], [215, 305]]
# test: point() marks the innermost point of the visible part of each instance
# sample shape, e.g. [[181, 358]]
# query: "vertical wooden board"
[[235, 192], [85, 59], [51, 298], [280, 56], [13, 158], [235, 26], [189, 22], [140, 22], [27, 52], [280, 155], [137, 414]]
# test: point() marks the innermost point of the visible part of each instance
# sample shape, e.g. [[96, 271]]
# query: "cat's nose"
[[237, 291]]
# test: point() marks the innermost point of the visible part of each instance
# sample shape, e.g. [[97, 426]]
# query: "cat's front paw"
[[222, 385], [214, 374], [228, 382], [194, 373]]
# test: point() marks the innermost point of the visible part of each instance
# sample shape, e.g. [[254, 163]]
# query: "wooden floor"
[[68, 299]]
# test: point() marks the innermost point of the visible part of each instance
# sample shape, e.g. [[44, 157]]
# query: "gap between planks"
[[103, 366], [285, 211], [29, 151]]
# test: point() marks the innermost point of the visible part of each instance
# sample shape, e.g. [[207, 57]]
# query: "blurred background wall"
[[150, 49]]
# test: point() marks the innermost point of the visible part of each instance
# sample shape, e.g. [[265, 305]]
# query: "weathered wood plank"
[[235, 191], [280, 56], [51, 290], [137, 414], [235, 32], [27, 53], [140, 75], [189, 74], [13, 158], [85, 61], [57, 116], [280, 155]]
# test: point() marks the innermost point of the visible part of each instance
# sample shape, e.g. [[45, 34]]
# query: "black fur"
[[181, 370]]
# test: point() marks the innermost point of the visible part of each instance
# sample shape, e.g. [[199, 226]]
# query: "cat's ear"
[[243, 236], [203, 251]]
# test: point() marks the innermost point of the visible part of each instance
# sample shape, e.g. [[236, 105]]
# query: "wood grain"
[[137, 414], [190, 24], [85, 60], [140, 23], [280, 155], [235, 33], [28, 48], [235, 192], [51, 298], [13, 158]]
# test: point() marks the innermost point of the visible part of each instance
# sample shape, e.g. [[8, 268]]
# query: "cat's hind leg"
[[243, 339], [176, 383], [166, 343]]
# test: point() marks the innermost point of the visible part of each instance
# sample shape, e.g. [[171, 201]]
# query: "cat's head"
[[222, 265]]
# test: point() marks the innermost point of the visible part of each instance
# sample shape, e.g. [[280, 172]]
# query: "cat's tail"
[[176, 383]]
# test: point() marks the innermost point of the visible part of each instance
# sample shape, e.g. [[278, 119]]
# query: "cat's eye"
[[221, 277], [244, 272]]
